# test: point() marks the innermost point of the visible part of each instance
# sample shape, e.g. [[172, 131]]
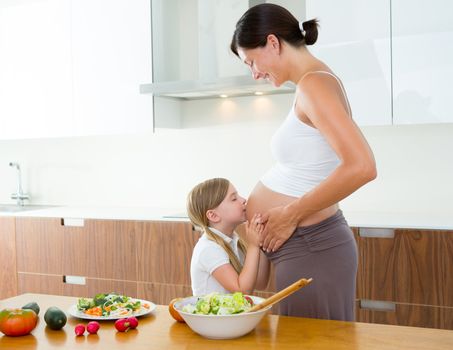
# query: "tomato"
[[173, 312], [17, 322], [246, 297]]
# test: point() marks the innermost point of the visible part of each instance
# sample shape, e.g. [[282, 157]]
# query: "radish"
[[93, 327], [133, 322], [79, 329], [122, 325]]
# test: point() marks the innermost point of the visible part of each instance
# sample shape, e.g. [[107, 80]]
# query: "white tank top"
[[303, 156]]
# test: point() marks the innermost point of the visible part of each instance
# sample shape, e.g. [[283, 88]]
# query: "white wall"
[[228, 138]]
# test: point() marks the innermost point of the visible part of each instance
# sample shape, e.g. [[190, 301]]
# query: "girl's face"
[[264, 61], [232, 209]]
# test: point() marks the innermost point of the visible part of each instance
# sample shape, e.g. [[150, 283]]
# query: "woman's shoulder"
[[313, 79]]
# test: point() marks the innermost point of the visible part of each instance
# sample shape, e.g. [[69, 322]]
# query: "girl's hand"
[[254, 230], [280, 225]]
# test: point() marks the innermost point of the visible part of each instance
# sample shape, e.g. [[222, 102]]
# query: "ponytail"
[[310, 31]]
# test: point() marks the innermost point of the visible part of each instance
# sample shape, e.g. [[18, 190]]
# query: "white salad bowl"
[[221, 326]]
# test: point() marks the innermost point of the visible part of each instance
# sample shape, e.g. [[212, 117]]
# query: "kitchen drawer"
[[95, 286], [414, 266], [407, 315], [160, 293], [39, 283]]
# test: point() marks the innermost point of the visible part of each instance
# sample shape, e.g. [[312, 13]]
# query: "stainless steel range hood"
[[191, 58], [222, 87]]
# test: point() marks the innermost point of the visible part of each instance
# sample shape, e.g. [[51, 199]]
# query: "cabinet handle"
[[72, 222], [74, 280], [377, 305], [369, 232]]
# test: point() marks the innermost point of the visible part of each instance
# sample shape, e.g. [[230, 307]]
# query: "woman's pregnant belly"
[[262, 199]]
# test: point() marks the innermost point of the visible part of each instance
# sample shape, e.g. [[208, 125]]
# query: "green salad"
[[220, 304]]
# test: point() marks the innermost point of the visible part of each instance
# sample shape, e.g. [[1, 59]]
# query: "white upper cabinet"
[[73, 67], [35, 69], [422, 61], [111, 46], [354, 40]]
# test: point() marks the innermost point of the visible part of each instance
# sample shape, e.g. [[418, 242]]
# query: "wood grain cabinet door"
[[8, 275], [39, 245], [415, 266], [101, 249], [164, 251]]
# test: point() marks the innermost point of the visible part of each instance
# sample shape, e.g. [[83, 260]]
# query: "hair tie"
[[301, 27]]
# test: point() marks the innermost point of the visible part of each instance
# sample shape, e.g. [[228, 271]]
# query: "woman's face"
[[264, 61]]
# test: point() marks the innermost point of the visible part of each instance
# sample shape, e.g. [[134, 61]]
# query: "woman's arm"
[[244, 282], [319, 99]]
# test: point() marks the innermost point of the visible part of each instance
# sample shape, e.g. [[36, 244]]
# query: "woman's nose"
[[256, 75]]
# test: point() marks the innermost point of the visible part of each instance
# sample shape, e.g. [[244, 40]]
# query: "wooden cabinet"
[[404, 276], [161, 293], [101, 249], [8, 276], [147, 259], [39, 244], [412, 271], [408, 315], [164, 250]]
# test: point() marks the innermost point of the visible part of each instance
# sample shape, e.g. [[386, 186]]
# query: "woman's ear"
[[273, 41], [212, 216]]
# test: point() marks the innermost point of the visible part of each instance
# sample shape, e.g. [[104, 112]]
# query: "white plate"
[[79, 314]]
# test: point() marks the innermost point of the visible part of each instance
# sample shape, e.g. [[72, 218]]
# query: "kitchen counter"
[[160, 331], [409, 220]]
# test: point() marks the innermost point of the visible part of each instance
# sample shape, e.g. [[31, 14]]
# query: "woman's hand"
[[280, 225], [254, 230]]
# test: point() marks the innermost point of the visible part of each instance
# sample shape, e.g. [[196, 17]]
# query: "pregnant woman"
[[321, 158]]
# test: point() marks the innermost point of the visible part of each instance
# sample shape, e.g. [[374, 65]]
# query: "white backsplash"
[[227, 138]]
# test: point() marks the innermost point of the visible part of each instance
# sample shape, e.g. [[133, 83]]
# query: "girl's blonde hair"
[[206, 196]]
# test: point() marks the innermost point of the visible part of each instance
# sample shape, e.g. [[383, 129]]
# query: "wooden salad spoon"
[[282, 294]]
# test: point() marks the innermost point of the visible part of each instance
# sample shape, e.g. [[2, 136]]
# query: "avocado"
[[32, 306], [55, 318]]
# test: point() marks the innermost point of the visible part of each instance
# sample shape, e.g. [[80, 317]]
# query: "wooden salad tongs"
[[282, 294]]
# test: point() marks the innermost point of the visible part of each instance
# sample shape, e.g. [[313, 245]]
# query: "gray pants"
[[327, 252]]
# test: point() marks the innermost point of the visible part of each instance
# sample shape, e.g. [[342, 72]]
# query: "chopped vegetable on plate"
[[111, 304]]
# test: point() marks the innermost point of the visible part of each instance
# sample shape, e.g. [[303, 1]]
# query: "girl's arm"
[[323, 106], [244, 282]]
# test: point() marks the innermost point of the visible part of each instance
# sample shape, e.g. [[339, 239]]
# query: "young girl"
[[222, 261]]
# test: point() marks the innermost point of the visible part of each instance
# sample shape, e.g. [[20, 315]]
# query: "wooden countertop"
[[160, 331]]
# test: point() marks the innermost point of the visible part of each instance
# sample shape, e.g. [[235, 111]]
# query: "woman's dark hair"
[[261, 20]]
